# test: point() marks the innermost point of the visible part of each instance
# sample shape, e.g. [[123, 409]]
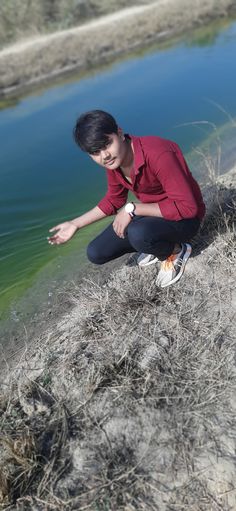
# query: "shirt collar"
[[138, 153]]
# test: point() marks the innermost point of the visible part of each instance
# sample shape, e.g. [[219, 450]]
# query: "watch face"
[[129, 207]]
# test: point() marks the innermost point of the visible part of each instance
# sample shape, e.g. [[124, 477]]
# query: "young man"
[[154, 169]]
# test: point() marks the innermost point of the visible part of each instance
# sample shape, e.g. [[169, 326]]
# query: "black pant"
[[148, 234]]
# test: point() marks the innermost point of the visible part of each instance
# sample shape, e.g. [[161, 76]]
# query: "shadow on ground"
[[220, 215]]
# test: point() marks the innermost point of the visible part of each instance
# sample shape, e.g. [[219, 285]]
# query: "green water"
[[184, 92]]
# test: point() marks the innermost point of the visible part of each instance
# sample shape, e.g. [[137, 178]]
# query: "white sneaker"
[[173, 267], [146, 259]]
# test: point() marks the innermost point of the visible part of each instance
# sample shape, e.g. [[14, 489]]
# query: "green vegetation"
[[206, 35]]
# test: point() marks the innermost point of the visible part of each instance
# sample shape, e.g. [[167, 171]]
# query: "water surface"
[[184, 92]]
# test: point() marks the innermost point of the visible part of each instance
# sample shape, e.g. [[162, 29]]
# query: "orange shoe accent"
[[169, 262]]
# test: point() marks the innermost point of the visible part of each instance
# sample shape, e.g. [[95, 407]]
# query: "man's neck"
[[128, 160]]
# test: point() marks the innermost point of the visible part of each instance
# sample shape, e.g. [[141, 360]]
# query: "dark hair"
[[92, 129]]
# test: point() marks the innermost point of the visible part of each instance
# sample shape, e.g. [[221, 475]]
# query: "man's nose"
[[105, 154]]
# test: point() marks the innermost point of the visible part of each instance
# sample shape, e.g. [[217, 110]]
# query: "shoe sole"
[[185, 259], [148, 264]]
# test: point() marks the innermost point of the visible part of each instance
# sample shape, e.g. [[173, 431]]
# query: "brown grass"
[[21, 18], [130, 402]]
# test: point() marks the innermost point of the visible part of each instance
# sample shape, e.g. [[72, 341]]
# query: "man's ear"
[[121, 134]]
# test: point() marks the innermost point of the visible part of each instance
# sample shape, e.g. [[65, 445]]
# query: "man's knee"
[[94, 255], [142, 237]]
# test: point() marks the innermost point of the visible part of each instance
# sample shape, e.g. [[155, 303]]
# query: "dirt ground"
[[42, 59], [127, 401]]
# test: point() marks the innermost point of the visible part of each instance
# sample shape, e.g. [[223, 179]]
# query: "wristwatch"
[[130, 208]]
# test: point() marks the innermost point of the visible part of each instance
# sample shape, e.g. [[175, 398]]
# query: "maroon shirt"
[[160, 174]]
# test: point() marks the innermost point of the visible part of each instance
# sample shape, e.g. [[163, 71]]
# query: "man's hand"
[[120, 223], [64, 233]]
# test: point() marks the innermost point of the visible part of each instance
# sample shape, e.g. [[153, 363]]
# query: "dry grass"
[[19, 18], [130, 403]]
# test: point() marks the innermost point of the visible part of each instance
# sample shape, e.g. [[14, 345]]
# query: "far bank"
[[43, 59]]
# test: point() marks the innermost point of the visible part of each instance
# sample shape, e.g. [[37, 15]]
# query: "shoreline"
[[46, 279], [17, 340], [43, 59], [41, 287]]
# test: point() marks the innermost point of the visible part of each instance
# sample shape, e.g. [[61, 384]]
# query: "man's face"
[[113, 154]]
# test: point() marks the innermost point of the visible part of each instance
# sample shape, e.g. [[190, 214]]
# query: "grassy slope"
[[129, 402]]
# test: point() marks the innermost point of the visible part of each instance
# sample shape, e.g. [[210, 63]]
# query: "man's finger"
[[55, 228], [52, 239], [56, 241]]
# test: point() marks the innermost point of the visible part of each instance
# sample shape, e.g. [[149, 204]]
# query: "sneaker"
[[173, 267], [146, 259]]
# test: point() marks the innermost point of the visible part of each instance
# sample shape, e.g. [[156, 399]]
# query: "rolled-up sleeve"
[[180, 201], [115, 197]]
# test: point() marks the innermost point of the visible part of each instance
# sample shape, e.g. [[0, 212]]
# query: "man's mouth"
[[109, 162]]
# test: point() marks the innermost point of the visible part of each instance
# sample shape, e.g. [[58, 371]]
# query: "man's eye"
[[96, 153]]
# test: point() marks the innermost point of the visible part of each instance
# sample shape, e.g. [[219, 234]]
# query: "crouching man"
[[170, 208]]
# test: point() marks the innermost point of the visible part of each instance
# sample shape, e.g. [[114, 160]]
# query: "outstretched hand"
[[64, 233]]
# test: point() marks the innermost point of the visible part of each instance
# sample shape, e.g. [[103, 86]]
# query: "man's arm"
[[66, 230], [123, 219], [114, 199], [93, 215], [147, 209], [175, 178]]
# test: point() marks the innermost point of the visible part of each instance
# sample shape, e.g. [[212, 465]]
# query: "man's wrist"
[[75, 223], [130, 209]]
